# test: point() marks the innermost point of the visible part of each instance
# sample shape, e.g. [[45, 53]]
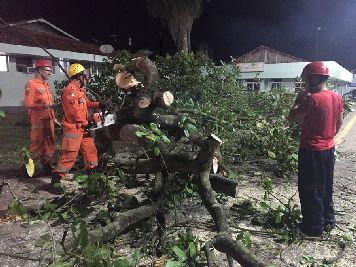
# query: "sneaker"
[[55, 186], [309, 233], [54, 189], [329, 227]]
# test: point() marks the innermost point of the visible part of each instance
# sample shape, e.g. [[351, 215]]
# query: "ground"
[[19, 244]]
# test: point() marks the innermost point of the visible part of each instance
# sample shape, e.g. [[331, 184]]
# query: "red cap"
[[42, 63]]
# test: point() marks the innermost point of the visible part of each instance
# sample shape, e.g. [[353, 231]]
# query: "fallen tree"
[[161, 161]]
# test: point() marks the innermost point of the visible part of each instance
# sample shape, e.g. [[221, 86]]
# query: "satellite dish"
[[143, 53], [106, 49]]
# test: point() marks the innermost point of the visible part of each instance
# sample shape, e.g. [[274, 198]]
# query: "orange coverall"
[[38, 100], [75, 106]]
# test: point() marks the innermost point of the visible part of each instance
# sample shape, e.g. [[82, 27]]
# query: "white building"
[[264, 68], [20, 47]]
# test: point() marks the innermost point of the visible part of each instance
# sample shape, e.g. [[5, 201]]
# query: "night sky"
[[229, 27]]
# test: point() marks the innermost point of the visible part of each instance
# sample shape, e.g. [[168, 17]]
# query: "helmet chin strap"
[[83, 79]]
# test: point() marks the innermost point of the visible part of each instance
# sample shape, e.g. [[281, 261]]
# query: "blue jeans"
[[315, 186]]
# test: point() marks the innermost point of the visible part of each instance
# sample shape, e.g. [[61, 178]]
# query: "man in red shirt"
[[321, 113]]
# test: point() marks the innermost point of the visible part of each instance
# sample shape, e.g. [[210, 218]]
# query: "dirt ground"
[[19, 240]]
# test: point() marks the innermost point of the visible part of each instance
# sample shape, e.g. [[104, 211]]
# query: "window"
[[96, 69], [4, 63], [276, 83], [64, 63], [298, 86], [253, 85], [22, 63]]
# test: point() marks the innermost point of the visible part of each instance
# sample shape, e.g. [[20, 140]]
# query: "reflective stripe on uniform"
[[71, 136], [62, 169], [93, 163], [36, 126]]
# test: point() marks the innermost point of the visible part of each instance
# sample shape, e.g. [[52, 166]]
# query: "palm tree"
[[179, 16]]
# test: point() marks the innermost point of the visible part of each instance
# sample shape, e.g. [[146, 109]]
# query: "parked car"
[[350, 95]]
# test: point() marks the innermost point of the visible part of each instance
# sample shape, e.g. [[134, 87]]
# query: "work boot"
[[47, 169], [90, 171], [55, 187]]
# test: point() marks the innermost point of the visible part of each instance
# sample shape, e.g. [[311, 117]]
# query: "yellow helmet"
[[75, 69]]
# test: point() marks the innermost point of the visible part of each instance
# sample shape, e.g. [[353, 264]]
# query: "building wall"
[[340, 78], [12, 84]]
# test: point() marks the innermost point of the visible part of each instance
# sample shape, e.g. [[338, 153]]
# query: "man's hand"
[[300, 97]]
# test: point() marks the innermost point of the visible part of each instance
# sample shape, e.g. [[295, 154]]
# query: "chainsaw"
[[102, 119]]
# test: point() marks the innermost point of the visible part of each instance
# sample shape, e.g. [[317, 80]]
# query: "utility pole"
[[316, 43]]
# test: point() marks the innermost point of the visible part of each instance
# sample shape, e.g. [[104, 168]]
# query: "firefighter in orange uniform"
[[76, 136], [39, 102]]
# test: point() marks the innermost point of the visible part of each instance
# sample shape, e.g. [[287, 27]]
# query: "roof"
[[260, 54], [55, 38], [24, 23]]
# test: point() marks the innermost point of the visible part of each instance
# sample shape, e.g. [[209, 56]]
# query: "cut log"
[[164, 99], [125, 80], [148, 68]]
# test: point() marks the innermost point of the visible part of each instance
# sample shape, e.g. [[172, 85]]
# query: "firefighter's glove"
[[90, 125]]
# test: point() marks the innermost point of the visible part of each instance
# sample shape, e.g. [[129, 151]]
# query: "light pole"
[[316, 44]]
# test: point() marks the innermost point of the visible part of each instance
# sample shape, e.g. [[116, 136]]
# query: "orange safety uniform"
[[75, 106], [38, 100]]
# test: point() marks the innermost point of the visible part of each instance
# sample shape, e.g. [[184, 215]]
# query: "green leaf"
[[121, 174], [191, 127], [140, 134], [152, 137], [15, 207], [83, 235], [155, 128], [81, 179], [186, 132], [264, 205], [2, 114], [182, 256], [278, 218], [61, 264], [122, 262], [271, 154], [171, 263], [165, 139], [192, 249], [245, 238], [156, 151]]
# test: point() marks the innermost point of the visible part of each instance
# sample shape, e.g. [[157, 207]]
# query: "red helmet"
[[315, 68], [42, 63]]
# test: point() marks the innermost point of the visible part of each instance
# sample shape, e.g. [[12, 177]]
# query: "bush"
[[252, 125]]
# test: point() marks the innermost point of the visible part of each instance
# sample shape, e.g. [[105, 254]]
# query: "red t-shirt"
[[319, 124]]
